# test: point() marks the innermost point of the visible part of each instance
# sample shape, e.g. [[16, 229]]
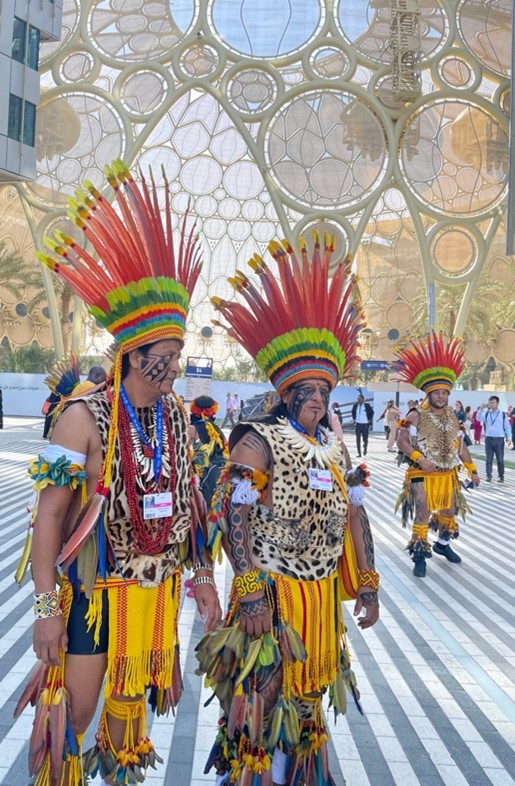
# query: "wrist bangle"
[[46, 604], [368, 578], [415, 456], [201, 566], [249, 582], [203, 580], [471, 468]]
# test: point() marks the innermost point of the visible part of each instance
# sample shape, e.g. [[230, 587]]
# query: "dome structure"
[[383, 121]]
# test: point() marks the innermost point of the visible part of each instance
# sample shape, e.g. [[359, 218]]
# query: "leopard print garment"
[[436, 437], [302, 537], [149, 570]]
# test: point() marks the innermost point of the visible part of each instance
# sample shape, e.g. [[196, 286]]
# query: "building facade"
[[24, 25]]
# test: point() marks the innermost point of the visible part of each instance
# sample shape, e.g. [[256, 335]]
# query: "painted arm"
[[364, 546], [255, 618]]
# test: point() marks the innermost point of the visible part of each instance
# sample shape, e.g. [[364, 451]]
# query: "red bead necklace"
[[149, 536]]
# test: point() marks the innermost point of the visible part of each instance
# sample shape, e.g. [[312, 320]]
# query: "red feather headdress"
[[304, 323], [431, 363]]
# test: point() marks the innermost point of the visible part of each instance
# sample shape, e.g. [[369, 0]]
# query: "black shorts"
[[80, 640]]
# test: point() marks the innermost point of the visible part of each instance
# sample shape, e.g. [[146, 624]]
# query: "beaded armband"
[[249, 582], [46, 604], [61, 472], [368, 578]]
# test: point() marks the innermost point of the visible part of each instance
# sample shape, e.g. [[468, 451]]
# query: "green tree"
[[31, 359]]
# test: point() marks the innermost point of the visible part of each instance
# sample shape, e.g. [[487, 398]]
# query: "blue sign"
[[199, 367], [374, 365]]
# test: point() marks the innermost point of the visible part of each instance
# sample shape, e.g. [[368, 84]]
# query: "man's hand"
[[255, 617], [426, 465], [368, 600], [475, 479], [208, 605], [49, 637]]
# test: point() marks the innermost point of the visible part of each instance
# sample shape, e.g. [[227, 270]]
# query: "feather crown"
[[431, 363], [303, 324], [141, 288]]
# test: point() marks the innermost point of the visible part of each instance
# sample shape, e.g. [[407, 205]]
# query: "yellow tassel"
[[94, 614]]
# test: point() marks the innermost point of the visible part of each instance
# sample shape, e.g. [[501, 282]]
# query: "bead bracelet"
[[46, 604], [198, 580]]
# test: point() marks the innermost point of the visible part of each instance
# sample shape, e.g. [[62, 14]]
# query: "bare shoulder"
[[76, 429], [253, 451], [413, 417]]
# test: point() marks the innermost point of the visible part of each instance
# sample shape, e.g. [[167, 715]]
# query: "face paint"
[[301, 394], [155, 367]]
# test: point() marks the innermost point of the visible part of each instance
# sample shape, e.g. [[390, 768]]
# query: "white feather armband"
[[244, 493], [356, 495]]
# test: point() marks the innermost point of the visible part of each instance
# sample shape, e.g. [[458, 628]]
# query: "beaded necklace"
[[148, 451], [149, 536], [324, 448]]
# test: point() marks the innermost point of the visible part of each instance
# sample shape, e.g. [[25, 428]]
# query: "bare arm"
[[77, 431], [364, 546], [250, 451]]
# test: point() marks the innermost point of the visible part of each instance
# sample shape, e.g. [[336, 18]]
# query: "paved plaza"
[[436, 674]]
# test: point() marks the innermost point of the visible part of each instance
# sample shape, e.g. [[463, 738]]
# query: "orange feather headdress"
[[431, 363], [305, 323], [141, 289]]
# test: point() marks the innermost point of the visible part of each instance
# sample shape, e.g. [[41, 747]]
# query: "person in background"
[[497, 428], [430, 439], [362, 417], [391, 415], [229, 411], [209, 454], [477, 423], [460, 412], [242, 405], [236, 410], [336, 426], [512, 424]]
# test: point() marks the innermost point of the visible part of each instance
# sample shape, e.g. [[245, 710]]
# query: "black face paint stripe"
[[301, 394], [155, 367]]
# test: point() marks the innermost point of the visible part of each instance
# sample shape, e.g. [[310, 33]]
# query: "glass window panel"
[[33, 48], [14, 124], [29, 124], [18, 50]]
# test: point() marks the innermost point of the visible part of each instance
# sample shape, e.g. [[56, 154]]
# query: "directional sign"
[[199, 375], [374, 365]]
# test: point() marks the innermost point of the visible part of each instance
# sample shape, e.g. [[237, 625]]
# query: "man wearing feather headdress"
[[297, 535], [432, 442], [118, 510]]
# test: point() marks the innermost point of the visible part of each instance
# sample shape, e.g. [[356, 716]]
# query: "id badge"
[[320, 479], [157, 506]]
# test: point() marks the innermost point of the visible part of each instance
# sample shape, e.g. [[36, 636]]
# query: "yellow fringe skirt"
[[313, 608], [440, 487]]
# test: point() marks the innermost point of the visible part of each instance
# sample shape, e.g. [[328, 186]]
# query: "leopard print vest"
[[436, 437], [302, 537], [149, 570]]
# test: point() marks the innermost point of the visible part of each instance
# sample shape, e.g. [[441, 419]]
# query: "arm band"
[[471, 468], [249, 582], [416, 455], [368, 578]]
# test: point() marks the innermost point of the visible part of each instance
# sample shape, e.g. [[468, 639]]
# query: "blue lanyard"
[[157, 452], [298, 427]]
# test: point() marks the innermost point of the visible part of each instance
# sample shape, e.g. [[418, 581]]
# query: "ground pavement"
[[436, 674]]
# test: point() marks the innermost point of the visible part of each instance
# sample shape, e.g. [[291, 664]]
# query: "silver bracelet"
[[200, 566], [198, 580]]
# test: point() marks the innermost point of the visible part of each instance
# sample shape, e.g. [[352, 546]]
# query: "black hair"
[[96, 375], [496, 398]]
